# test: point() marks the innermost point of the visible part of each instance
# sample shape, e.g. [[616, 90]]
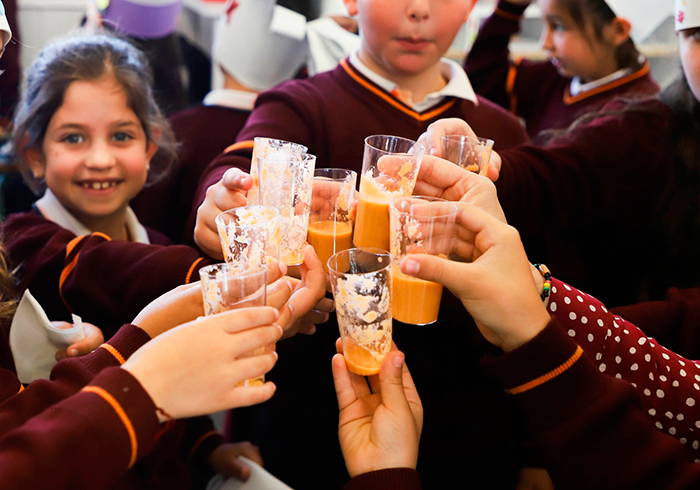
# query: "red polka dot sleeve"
[[668, 384]]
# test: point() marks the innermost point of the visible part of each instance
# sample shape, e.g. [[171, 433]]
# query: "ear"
[[35, 159], [618, 31], [152, 145], [351, 6]]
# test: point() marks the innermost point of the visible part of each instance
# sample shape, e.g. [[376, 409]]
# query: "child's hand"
[[230, 192], [307, 305], [193, 369], [440, 178], [379, 429], [225, 459], [497, 288], [93, 339], [432, 138]]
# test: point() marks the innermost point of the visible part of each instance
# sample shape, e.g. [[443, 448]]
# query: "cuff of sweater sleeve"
[[543, 372], [126, 416], [118, 349], [514, 9], [388, 479], [204, 446]]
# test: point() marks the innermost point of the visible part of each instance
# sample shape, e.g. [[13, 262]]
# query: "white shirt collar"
[[52, 209], [577, 87], [458, 84], [233, 99]]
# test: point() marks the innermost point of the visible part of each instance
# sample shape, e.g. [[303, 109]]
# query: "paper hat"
[[4, 26], [147, 19], [333, 7], [328, 44], [260, 43], [687, 14], [644, 15]]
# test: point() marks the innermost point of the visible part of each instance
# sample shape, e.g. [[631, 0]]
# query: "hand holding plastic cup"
[[361, 282], [469, 152], [332, 212], [419, 225], [267, 147], [249, 235], [390, 167], [225, 288], [285, 183]]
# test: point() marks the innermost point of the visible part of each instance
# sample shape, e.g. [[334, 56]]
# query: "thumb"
[[236, 468], [432, 268], [391, 381], [236, 179]]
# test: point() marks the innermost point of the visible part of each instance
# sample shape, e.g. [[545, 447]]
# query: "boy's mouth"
[[413, 43], [99, 185]]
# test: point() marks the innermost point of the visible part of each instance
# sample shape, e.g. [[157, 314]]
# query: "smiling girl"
[[591, 59]]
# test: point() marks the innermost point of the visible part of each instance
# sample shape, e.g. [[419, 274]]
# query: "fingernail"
[[411, 266], [73, 352], [281, 330], [432, 150], [277, 356], [397, 361], [283, 268]]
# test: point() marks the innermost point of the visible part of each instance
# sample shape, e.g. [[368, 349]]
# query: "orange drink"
[[329, 237], [415, 301], [372, 226], [361, 283], [419, 225]]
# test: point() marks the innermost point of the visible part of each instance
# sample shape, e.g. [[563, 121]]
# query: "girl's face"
[[689, 44], [572, 52], [95, 154]]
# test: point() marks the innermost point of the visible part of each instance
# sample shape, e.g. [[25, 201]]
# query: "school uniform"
[[331, 113], [203, 131], [96, 426], [72, 270], [535, 91]]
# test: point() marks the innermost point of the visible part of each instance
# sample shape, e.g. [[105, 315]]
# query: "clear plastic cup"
[[249, 235], [469, 152], [264, 147]]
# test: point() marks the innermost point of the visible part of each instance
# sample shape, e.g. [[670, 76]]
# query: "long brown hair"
[[89, 55]]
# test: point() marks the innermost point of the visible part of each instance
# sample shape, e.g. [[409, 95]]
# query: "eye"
[[73, 138], [122, 137]]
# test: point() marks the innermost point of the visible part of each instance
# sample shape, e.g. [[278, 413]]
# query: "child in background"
[[397, 83], [592, 59], [252, 58]]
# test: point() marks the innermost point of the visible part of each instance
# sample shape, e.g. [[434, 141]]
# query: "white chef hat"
[[147, 19], [4, 26], [687, 14], [644, 15], [333, 7], [260, 43]]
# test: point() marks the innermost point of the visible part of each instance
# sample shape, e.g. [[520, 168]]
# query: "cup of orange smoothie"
[[249, 236], [390, 167], [332, 212], [418, 225], [361, 283]]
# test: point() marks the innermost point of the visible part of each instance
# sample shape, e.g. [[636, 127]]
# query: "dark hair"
[[598, 14], [89, 55], [8, 300]]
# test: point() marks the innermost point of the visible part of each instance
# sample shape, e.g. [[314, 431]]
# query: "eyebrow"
[[555, 18], [119, 124]]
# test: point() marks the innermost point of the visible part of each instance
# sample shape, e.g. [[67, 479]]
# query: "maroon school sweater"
[[66, 432], [588, 205], [590, 428], [106, 282], [333, 112], [534, 90], [203, 133]]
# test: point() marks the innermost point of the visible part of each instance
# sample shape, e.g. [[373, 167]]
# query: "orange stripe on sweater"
[[240, 145], [191, 271], [122, 415], [510, 85], [394, 102], [200, 441], [550, 375], [112, 350], [21, 388], [71, 265], [568, 99]]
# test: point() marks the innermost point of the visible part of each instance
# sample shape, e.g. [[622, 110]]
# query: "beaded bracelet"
[[169, 422], [547, 280]]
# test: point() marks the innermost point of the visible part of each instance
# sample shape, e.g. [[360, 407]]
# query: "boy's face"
[[407, 37]]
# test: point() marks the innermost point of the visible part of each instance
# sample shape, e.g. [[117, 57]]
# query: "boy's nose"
[[419, 9]]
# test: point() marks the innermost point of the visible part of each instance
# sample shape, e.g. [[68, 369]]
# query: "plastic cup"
[[267, 146], [469, 152], [332, 212], [389, 170], [361, 282], [249, 235], [419, 225], [285, 183], [225, 288]]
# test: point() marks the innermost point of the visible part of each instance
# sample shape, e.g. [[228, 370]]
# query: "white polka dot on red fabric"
[[572, 332], [663, 378], [651, 376], [591, 307], [632, 350], [590, 337], [634, 367], [634, 384], [652, 411], [584, 320], [675, 384], [660, 393], [598, 356], [647, 392], [696, 444], [681, 362], [567, 287], [697, 424], [680, 416], [615, 324], [659, 425], [567, 300], [609, 333], [604, 309], [697, 377], [647, 358], [642, 340], [572, 315], [601, 368], [669, 415], [652, 344], [690, 402], [580, 299], [683, 440], [617, 338], [625, 331], [600, 322], [696, 386], [665, 356], [553, 306], [683, 373], [618, 376], [554, 289], [618, 359], [672, 431], [696, 460]]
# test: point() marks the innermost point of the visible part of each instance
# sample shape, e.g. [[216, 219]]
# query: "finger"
[[305, 328], [442, 128], [432, 268], [237, 469], [344, 388], [276, 270], [245, 396], [391, 381], [235, 321], [440, 178], [314, 317], [252, 367], [247, 341], [309, 292], [278, 294], [93, 339], [236, 179], [339, 345]]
